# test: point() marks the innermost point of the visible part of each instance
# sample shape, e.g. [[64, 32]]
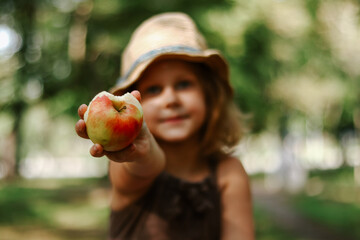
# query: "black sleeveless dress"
[[172, 209]]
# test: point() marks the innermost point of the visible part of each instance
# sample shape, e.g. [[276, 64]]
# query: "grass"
[[266, 229], [54, 209], [330, 200], [62, 209], [341, 217], [337, 203]]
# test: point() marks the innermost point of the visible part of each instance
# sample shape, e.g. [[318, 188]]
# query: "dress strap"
[[213, 164]]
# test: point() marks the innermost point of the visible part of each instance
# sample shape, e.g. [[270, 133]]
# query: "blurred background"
[[295, 67]]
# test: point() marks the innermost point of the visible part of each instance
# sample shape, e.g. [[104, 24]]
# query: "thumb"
[[137, 95]]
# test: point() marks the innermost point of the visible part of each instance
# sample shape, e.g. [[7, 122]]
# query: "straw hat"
[[167, 35]]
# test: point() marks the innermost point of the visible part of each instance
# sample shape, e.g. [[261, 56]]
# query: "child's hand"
[[139, 147]]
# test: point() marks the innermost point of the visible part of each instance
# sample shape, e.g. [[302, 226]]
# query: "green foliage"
[[257, 68], [72, 50], [46, 28]]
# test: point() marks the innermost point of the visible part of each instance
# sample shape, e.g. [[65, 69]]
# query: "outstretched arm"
[[131, 179], [133, 169], [237, 215]]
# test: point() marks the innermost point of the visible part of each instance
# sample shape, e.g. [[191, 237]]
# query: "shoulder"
[[235, 193], [231, 172]]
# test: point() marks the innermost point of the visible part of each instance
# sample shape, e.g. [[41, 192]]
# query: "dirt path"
[[278, 206]]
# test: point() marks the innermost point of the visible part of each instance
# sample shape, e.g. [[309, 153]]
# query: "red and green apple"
[[113, 121]]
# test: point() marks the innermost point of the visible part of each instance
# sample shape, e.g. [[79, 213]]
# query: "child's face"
[[173, 100]]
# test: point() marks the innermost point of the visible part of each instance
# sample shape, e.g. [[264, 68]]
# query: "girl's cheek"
[[149, 113]]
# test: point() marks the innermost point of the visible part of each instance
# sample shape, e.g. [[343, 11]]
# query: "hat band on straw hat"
[[156, 52]]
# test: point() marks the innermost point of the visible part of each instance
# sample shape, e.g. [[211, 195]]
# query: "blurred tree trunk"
[[8, 158], [24, 13]]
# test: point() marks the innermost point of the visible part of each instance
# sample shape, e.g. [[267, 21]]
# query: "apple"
[[113, 121]]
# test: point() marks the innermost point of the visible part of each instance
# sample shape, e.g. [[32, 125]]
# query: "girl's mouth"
[[175, 119]]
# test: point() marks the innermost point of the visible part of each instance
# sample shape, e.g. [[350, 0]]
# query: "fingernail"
[[96, 149]]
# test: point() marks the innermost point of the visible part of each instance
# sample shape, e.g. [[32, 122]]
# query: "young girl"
[[177, 180]]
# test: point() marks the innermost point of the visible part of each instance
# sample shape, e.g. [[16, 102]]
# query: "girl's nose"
[[170, 97]]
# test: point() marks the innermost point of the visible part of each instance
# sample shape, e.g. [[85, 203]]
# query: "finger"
[[81, 110], [97, 150], [123, 155], [144, 131], [80, 128], [136, 94]]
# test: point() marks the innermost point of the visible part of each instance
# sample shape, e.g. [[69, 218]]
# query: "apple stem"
[[122, 108]]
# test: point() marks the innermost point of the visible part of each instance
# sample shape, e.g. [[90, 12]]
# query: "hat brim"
[[210, 57]]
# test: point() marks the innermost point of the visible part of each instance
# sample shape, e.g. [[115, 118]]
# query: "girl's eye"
[[183, 84], [153, 90]]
